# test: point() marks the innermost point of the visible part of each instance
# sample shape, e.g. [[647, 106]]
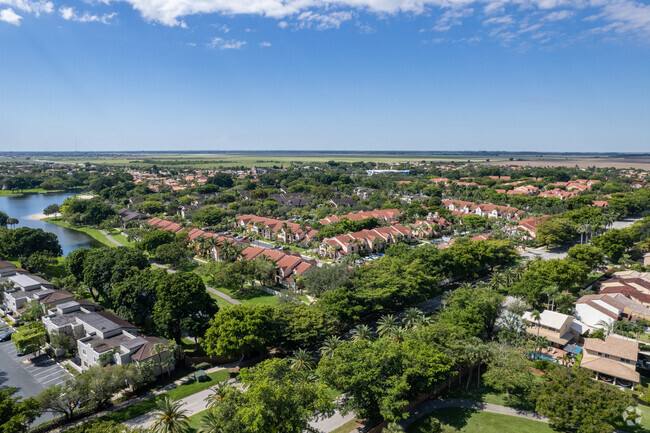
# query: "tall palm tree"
[[582, 229], [217, 394], [329, 345], [361, 332], [12, 222], [210, 423], [497, 279], [551, 292], [170, 417], [608, 327], [537, 316], [301, 360], [386, 324]]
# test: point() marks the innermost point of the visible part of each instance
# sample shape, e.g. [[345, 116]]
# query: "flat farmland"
[[641, 162]]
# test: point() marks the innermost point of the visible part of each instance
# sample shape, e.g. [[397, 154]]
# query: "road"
[[29, 376], [208, 288], [110, 238]]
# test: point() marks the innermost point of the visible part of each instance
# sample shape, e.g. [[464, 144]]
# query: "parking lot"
[[27, 374]]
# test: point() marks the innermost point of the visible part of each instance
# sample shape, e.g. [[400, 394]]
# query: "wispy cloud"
[[225, 44], [265, 44], [35, 7], [9, 16], [70, 14], [333, 20]]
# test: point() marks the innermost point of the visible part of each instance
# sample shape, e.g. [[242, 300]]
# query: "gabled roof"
[[614, 346], [551, 319]]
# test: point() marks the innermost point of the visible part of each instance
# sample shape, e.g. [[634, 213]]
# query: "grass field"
[[179, 392], [251, 296], [5, 192], [472, 421], [95, 234]]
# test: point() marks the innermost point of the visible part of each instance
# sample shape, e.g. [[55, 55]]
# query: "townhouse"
[[483, 209], [529, 225], [383, 215], [271, 228], [364, 241], [289, 266]]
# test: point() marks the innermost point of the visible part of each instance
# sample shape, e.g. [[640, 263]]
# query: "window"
[[84, 351]]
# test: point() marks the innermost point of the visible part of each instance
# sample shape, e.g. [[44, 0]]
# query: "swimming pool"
[[542, 356], [572, 348]]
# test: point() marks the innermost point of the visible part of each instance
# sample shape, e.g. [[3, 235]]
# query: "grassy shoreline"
[[93, 233], [9, 193]]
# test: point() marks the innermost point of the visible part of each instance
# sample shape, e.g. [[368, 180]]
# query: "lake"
[[22, 207]]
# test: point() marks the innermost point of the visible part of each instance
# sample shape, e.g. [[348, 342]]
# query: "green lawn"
[[222, 303], [472, 421], [95, 234], [179, 392], [118, 236], [488, 395], [6, 192], [347, 427], [251, 296]]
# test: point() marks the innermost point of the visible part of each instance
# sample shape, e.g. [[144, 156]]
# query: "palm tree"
[[582, 229], [608, 327], [329, 345], [393, 428], [210, 423], [158, 349], [386, 324], [551, 292], [537, 316], [397, 334], [361, 332], [412, 317], [301, 360], [217, 394], [12, 222], [497, 280], [170, 417], [512, 322]]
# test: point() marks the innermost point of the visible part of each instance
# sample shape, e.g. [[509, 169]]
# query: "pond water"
[[22, 207]]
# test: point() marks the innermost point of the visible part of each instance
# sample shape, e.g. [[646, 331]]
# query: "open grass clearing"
[[179, 392], [250, 296], [473, 421], [93, 233]]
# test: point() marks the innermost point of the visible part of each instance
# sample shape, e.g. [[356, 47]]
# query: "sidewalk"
[[133, 401]]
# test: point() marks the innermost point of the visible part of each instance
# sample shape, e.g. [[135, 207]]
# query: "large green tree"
[[276, 399], [183, 305], [16, 414], [105, 267], [378, 379], [242, 330], [573, 401]]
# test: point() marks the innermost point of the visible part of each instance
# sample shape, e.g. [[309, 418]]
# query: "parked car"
[[6, 336]]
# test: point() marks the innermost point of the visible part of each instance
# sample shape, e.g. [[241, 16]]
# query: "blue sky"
[[555, 75]]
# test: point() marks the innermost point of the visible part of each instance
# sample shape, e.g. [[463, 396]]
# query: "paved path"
[[192, 404], [208, 288], [110, 238]]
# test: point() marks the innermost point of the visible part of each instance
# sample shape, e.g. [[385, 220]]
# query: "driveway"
[[29, 376]]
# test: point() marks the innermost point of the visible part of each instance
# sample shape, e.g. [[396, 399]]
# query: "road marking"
[[51, 380], [45, 373]]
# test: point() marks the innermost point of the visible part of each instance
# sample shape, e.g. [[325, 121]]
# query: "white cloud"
[[451, 18], [223, 44], [36, 7], [506, 19], [9, 16], [70, 14], [333, 20], [265, 44], [283, 24], [559, 15]]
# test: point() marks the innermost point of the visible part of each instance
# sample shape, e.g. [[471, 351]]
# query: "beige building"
[[554, 326], [613, 358]]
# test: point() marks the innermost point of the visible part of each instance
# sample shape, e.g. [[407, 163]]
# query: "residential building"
[[27, 288], [596, 309], [383, 215], [555, 327], [613, 359]]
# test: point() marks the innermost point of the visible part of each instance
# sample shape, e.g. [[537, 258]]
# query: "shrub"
[[203, 366]]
